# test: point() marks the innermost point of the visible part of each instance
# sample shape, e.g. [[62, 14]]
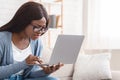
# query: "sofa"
[[66, 72]]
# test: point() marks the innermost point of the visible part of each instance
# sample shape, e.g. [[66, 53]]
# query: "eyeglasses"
[[40, 29]]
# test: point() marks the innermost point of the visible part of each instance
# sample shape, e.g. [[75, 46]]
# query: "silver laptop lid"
[[66, 49]]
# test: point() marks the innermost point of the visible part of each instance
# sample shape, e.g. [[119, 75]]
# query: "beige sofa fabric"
[[115, 75]]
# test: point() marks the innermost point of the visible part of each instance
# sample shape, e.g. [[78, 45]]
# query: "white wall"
[[8, 9], [72, 16]]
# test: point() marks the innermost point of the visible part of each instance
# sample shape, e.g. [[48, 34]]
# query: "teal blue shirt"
[[7, 65]]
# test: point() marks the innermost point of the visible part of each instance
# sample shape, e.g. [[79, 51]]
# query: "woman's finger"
[[53, 67], [35, 58], [60, 64], [47, 69], [40, 60]]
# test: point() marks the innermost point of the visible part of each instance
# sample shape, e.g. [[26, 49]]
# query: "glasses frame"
[[40, 29]]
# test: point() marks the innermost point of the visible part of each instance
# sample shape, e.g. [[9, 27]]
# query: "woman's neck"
[[20, 40]]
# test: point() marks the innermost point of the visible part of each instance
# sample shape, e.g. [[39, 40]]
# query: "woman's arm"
[[6, 71], [46, 70]]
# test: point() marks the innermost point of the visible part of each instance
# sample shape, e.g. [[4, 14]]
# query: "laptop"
[[66, 49]]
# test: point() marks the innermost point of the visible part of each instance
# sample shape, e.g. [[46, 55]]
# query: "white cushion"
[[92, 67], [64, 71]]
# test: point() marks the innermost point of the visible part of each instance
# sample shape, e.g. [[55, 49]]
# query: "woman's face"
[[36, 28]]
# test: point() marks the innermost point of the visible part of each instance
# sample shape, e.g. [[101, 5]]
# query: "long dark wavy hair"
[[26, 13]]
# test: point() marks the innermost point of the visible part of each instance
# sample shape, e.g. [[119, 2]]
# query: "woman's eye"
[[36, 27]]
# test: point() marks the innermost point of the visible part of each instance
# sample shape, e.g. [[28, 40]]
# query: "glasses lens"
[[40, 29], [36, 29]]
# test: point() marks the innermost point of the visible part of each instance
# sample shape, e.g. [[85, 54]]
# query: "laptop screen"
[[66, 49]]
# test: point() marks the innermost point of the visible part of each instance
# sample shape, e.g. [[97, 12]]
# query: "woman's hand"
[[31, 60], [51, 69]]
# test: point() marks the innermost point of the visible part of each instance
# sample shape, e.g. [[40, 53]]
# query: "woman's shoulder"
[[5, 35], [2, 33]]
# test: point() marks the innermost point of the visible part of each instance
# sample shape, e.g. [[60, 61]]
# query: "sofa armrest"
[[115, 75]]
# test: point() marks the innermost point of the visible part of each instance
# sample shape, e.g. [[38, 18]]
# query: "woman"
[[20, 47]]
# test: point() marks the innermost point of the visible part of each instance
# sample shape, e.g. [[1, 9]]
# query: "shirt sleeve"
[[40, 46], [8, 70], [1, 50]]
